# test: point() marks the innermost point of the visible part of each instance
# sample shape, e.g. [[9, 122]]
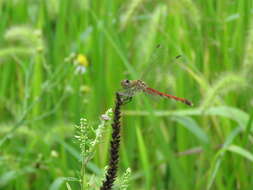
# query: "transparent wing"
[[158, 69]]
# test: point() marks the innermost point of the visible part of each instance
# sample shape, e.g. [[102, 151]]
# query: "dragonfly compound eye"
[[125, 83]]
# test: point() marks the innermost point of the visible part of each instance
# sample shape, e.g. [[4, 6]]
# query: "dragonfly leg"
[[125, 97], [127, 100]]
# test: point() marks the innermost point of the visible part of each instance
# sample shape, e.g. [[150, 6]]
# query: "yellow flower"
[[85, 89], [81, 63], [82, 60]]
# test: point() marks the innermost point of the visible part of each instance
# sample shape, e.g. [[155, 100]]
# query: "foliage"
[[62, 60]]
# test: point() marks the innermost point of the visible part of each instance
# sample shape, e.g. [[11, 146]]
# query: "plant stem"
[[83, 177], [114, 150]]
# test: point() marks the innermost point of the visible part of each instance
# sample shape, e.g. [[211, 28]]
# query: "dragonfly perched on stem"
[[132, 87]]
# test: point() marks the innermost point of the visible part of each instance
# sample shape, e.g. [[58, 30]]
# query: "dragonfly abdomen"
[[153, 91]]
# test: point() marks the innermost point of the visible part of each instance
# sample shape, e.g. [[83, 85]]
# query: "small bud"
[[105, 117]]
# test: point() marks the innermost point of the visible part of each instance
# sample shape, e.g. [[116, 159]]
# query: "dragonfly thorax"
[[133, 84], [131, 87]]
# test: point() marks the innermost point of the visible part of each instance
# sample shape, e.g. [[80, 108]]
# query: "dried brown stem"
[[115, 143]]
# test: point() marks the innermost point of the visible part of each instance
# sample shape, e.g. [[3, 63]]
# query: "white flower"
[[80, 69]]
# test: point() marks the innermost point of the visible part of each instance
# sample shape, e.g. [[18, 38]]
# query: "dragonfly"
[[133, 87]]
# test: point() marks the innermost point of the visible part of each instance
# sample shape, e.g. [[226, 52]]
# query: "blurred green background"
[[47, 85]]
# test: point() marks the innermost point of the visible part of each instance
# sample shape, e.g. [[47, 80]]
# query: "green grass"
[[41, 97]]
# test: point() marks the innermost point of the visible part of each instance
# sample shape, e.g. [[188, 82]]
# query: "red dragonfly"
[[131, 87]]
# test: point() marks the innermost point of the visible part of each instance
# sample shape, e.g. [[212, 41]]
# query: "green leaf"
[[193, 127], [241, 151], [233, 113], [59, 181], [215, 166], [7, 177], [144, 157]]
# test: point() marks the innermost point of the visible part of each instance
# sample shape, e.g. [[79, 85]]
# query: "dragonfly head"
[[126, 83]]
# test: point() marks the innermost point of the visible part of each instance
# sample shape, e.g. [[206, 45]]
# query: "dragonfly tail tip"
[[188, 103]]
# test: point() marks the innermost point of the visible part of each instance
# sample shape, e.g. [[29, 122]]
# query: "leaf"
[[232, 113], [7, 177], [219, 156], [143, 155], [59, 181], [68, 186], [241, 151], [193, 127]]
